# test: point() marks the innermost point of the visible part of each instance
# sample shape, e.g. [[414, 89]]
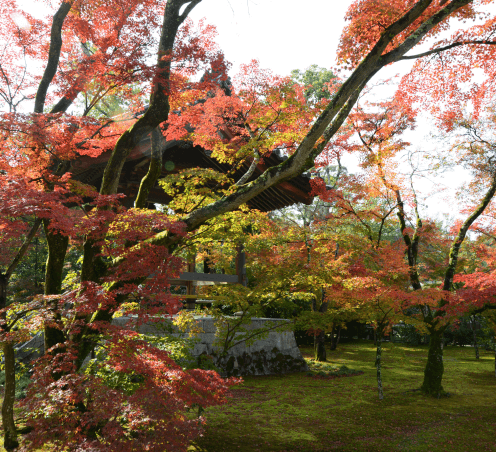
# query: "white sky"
[[282, 34]]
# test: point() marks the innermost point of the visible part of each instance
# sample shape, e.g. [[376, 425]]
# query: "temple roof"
[[183, 154]]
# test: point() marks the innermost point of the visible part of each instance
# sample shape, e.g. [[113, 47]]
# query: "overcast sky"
[[282, 34]]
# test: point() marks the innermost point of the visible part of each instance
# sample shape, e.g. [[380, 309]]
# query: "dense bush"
[[468, 328]]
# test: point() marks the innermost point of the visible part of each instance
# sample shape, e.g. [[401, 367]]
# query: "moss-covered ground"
[[335, 406], [299, 412]]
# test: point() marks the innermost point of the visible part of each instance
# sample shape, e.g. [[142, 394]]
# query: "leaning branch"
[[323, 129], [53, 55], [457, 242], [158, 110], [254, 163], [331, 119], [22, 250], [416, 36]]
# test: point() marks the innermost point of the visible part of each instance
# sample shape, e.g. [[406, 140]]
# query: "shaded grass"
[[330, 412], [297, 413]]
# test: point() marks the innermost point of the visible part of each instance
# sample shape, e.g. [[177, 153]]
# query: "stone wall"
[[274, 354], [30, 350]]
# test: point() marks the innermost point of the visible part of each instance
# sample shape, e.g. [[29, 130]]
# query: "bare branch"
[[23, 248], [443, 49]]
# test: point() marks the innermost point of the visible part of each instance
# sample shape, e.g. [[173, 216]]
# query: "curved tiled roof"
[[183, 154]]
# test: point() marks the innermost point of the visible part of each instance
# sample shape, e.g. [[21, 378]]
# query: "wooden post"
[[190, 288]]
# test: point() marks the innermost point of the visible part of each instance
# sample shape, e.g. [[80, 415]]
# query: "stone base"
[[264, 362], [277, 353]]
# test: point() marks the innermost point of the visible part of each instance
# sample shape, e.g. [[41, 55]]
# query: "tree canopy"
[[169, 81]]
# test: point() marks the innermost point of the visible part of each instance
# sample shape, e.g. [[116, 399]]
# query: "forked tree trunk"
[[319, 347], [10, 441], [434, 369]]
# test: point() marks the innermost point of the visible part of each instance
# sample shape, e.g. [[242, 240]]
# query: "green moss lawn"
[[317, 413], [325, 412]]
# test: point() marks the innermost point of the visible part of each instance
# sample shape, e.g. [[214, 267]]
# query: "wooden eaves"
[[182, 155]]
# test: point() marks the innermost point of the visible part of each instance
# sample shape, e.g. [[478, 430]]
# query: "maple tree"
[[378, 286], [380, 132], [34, 156], [105, 49], [306, 262], [342, 275]]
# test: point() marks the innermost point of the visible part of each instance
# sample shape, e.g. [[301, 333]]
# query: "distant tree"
[[318, 82]]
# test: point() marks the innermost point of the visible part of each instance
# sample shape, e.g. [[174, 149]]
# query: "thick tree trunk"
[[433, 373], [434, 369], [319, 347], [332, 345], [335, 340], [4, 281], [154, 170], [57, 248], [10, 433], [378, 357]]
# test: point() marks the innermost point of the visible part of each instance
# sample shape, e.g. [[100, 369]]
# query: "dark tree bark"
[[335, 340], [154, 170], [10, 432], [412, 243], [10, 441], [319, 347], [57, 248], [434, 369], [473, 326], [433, 373], [158, 110], [53, 55], [319, 338], [378, 364]]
